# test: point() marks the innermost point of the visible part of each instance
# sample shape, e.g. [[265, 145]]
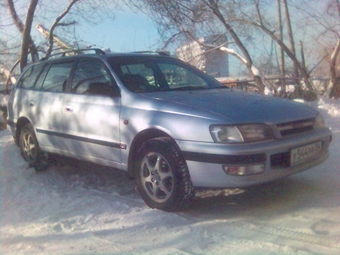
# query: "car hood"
[[235, 106]]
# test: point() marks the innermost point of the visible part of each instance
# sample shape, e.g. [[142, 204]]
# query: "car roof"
[[97, 53]]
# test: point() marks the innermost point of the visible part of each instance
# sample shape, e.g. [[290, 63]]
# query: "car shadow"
[[88, 175], [275, 198], [288, 195]]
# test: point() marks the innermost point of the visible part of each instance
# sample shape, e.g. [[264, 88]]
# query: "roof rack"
[[76, 52], [162, 53]]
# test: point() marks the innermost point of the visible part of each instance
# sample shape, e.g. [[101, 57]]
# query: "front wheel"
[[162, 175], [30, 150]]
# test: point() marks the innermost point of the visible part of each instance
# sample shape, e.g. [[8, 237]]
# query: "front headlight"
[[241, 133], [319, 122]]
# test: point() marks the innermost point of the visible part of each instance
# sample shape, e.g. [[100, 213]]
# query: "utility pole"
[[292, 45], [281, 52], [303, 55]]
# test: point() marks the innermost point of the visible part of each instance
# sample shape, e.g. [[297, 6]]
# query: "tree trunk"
[[28, 45], [335, 81], [256, 74], [10, 80], [281, 52], [290, 37], [27, 42]]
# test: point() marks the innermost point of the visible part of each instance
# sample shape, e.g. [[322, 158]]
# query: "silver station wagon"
[[171, 126]]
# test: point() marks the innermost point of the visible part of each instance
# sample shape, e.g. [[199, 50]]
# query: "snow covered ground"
[[81, 208]]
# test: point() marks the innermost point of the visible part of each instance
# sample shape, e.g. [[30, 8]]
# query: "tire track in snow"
[[322, 240]]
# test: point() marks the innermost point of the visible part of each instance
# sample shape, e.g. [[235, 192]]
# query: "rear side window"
[[29, 77], [57, 77]]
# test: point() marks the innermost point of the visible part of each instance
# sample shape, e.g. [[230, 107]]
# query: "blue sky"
[[128, 31]]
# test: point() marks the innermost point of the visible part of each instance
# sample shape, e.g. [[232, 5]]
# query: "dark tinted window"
[[91, 77], [29, 77], [57, 76]]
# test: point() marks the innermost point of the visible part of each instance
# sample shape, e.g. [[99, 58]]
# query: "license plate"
[[305, 152]]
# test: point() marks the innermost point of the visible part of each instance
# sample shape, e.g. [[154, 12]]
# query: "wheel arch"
[[137, 142], [22, 121]]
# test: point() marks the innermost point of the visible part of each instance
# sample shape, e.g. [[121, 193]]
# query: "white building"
[[213, 62]]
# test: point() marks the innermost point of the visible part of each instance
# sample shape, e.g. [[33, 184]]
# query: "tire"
[[30, 150], [162, 175]]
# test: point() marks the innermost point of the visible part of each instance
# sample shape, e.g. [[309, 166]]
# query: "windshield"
[[148, 74]]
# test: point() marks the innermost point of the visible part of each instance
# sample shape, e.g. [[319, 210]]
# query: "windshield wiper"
[[222, 87], [189, 88]]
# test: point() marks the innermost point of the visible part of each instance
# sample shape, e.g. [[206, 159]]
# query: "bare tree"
[[324, 17], [183, 17], [194, 19], [55, 24], [286, 49], [36, 10], [247, 60], [27, 45]]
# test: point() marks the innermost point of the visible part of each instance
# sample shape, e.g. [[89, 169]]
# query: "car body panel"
[[91, 126], [206, 160], [237, 107]]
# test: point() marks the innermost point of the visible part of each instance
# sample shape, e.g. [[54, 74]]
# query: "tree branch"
[[55, 23], [27, 42], [14, 15], [25, 31]]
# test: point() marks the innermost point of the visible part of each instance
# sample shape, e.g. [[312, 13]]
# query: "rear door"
[[90, 113], [47, 104]]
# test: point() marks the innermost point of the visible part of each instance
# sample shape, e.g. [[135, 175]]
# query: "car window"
[[178, 77], [91, 77], [29, 77], [147, 74], [39, 82], [57, 76]]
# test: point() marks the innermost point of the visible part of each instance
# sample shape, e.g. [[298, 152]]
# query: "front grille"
[[295, 127]]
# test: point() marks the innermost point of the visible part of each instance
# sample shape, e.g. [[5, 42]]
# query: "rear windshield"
[[149, 74]]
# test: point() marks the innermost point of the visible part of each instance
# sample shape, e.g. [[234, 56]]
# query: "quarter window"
[[29, 77]]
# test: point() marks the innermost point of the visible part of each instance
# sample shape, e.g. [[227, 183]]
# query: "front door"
[[91, 112]]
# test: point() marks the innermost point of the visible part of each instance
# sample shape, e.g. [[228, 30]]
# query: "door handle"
[[31, 103]]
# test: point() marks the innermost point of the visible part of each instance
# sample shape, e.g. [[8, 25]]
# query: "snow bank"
[[3, 100], [3, 106], [330, 107]]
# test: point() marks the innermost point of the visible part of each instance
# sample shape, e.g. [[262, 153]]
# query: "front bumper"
[[206, 160]]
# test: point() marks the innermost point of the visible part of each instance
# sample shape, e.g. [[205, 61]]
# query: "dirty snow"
[[81, 208]]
